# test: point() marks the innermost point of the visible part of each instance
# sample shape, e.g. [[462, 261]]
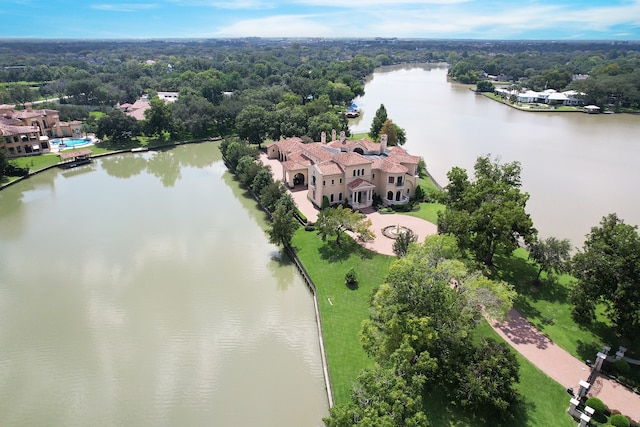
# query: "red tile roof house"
[[348, 171], [25, 132]]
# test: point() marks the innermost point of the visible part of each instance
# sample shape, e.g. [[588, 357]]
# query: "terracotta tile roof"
[[366, 143], [360, 183], [401, 155], [9, 130], [291, 165], [10, 121], [27, 114], [388, 166], [351, 159], [288, 145], [72, 154], [317, 150], [137, 109], [329, 168], [299, 158]]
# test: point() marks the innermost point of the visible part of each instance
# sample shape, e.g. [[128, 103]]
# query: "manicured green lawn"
[[547, 306], [544, 401], [342, 309], [359, 136], [35, 163], [428, 212]]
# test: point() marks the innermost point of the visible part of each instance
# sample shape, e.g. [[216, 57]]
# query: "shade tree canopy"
[[336, 221], [487, 214], [551, 254], [608, 272]]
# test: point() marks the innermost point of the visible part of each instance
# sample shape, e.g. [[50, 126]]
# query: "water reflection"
[[576, 167], [132, 303], [167, 167]]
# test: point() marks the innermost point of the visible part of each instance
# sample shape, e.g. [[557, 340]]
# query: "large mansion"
[[24, 132], [348, 171]]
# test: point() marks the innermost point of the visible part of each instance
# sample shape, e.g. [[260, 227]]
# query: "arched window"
[[390, 195]]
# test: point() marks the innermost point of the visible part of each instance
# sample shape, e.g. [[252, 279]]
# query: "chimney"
[[333, 134], [383, 143], [323, 137], [343, 138]]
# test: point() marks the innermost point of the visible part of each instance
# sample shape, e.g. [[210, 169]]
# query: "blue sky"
[[460, 19]]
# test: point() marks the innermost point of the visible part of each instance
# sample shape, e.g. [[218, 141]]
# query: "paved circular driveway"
[[383, 244]]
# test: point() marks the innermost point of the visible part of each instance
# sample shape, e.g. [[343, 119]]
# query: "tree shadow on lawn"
[[521, 273], [443, 410], [332, 252]]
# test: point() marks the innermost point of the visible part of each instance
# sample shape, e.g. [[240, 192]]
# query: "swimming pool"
[[71, 142]]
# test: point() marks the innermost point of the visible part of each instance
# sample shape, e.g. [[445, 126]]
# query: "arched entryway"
[[298, 179]]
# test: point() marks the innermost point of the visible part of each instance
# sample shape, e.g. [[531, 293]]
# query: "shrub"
[[325, 202], [351, 278], [619, 420], [309, 227], [301, 215], [621, 367], [13, 170], [597, 405]]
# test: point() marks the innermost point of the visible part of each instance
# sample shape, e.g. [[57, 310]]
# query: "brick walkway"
[[563, 367]]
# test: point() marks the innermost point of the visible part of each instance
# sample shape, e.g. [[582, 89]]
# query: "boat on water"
[[352, 111]]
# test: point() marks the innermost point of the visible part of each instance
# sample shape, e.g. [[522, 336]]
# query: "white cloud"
[[127, 7], [277, 26], [368, 3], [230, 4]]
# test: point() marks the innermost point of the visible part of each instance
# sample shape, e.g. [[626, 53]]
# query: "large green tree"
[[336, 221], [283, 226], [551, 254], [253, 124], [378, 122], [118, 127], [423, 319], [381, 397], [158, 118], [489, 213], [608, 271], [3, 164]]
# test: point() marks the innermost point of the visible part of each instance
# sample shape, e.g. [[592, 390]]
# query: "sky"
[[435, 19]]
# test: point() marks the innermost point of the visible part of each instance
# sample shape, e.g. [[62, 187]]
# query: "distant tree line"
[[613, 72], [293, 88]]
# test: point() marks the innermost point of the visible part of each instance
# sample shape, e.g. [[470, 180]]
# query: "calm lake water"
[[142, 290], [576, 167]]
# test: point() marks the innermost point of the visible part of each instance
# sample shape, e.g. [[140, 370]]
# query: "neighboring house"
[[28, 131], [348, 171], [137, 109], [548, 96], [168, 96]]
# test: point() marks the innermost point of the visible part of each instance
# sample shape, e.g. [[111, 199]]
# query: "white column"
[[584, 387], [599, 360], [573, 407]]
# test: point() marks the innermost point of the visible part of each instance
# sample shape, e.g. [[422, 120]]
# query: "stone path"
[[517, 331], [563, 367]]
